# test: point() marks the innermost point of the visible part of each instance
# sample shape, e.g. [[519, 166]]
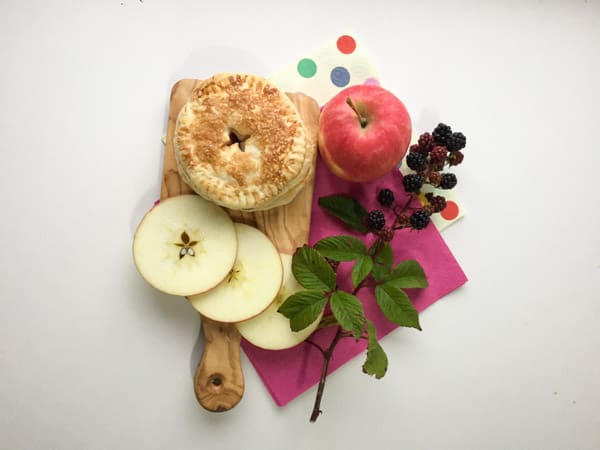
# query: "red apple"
[[364, 132]]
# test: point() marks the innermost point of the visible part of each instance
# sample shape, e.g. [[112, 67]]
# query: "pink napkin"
[[288, 373]]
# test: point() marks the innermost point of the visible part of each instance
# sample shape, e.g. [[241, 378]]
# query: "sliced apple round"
[[250, 286], [270, 329], [185, 245]]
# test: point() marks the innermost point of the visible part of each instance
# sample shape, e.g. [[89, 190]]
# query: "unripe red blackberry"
[[386, 196], [438, 154], [437, 202], [448, 181], [416, 161], [435, 178], [414, 149], [455, 158], [412, 183], [376, 220], [386, 234], [426, 142], [419, 219]]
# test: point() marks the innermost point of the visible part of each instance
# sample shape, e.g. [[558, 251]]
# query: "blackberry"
[[416, 161], [386, 197], [457, 141], [386, 234], [437, 202], [438, 154], [448, 181], [419, 220], [376, 220], [455, 158], [442, 134], [412, 183]]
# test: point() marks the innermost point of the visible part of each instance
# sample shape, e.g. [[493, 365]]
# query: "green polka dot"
[[307, 67]]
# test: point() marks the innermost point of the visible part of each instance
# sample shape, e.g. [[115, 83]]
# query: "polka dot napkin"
[[339, 64]]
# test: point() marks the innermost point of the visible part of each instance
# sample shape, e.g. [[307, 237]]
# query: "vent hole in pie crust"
[[237, 138]]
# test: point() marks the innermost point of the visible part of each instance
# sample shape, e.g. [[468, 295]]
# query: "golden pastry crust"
[[241, 143]]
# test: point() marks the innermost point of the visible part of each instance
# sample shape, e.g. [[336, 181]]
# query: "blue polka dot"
[[340, 76]]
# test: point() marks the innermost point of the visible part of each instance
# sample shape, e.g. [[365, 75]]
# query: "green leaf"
[[312, 270], [361, 269], [346, 209], [376, 362], [407, 274], [396, 306], [348, 311], [303, 308], [382, 261], [341, 248]]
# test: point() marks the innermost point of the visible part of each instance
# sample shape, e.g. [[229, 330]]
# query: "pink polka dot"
[[372, 81], [451, 210], [346, 44]]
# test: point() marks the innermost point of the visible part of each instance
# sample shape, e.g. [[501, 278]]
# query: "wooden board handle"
[[219, 381]]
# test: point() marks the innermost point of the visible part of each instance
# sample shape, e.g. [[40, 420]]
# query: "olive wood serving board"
[[219, 381]]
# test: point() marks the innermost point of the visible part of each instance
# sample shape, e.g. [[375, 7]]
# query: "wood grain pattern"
[[219, 381]]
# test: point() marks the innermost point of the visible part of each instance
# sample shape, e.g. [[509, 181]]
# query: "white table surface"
[[93, 358]]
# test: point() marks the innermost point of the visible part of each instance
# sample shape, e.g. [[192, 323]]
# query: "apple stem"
[[362, 119]]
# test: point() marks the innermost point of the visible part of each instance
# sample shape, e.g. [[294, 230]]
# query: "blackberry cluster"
[[433, 152], [376, 220], [428, 158]]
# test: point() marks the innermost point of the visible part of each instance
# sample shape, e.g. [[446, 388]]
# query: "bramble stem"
[[317, 346], [340, 333], [327, 355]]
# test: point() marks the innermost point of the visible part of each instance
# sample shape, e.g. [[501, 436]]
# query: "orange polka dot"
[[451, 210]]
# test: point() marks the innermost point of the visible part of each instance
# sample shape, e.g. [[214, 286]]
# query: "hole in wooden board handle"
[[219, 381]]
